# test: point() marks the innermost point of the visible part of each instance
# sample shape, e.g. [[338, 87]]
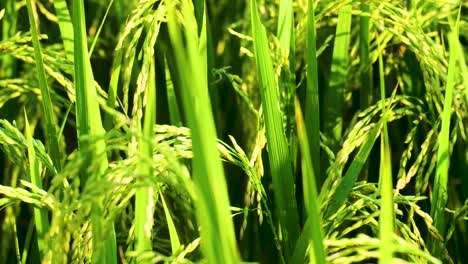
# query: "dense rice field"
[[229, 131]]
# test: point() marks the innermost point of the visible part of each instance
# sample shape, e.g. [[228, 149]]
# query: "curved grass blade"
[[280, 163]]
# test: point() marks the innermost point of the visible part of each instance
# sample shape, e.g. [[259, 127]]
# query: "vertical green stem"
[[311, 201], [89, 123], [212, 201], [144, 199], [339, 71], [366, 74], [279, 154], [40, 214], [312, 104], [51, 132], [387, 215], [287, 80], [8, 30], [440, 195], [65, 26]]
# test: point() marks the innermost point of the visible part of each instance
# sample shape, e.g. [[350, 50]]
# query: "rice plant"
[[261, 131]]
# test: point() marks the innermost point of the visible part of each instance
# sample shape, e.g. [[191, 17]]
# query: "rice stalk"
[[145, 195], [9, 27], [440, 195], [40, 214], [312, 104], [47, 105], [337, 83], [212, 202], [65, 26], [287, 81], [89, 124], [279, 154], [311, 201], [364, 51], [387, 215]]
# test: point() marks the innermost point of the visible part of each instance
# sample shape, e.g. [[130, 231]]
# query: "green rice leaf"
[[387, 215], [9, 16], [337, 83], [287, 81], [279, 156], [174, 114], [145, 196], [347, 182], [65, 26], [312, 104], [40, 214], [90, 125], [175, 241], [212, 201], [364, 57], [440, 195], [311, 201], [47, 105]]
